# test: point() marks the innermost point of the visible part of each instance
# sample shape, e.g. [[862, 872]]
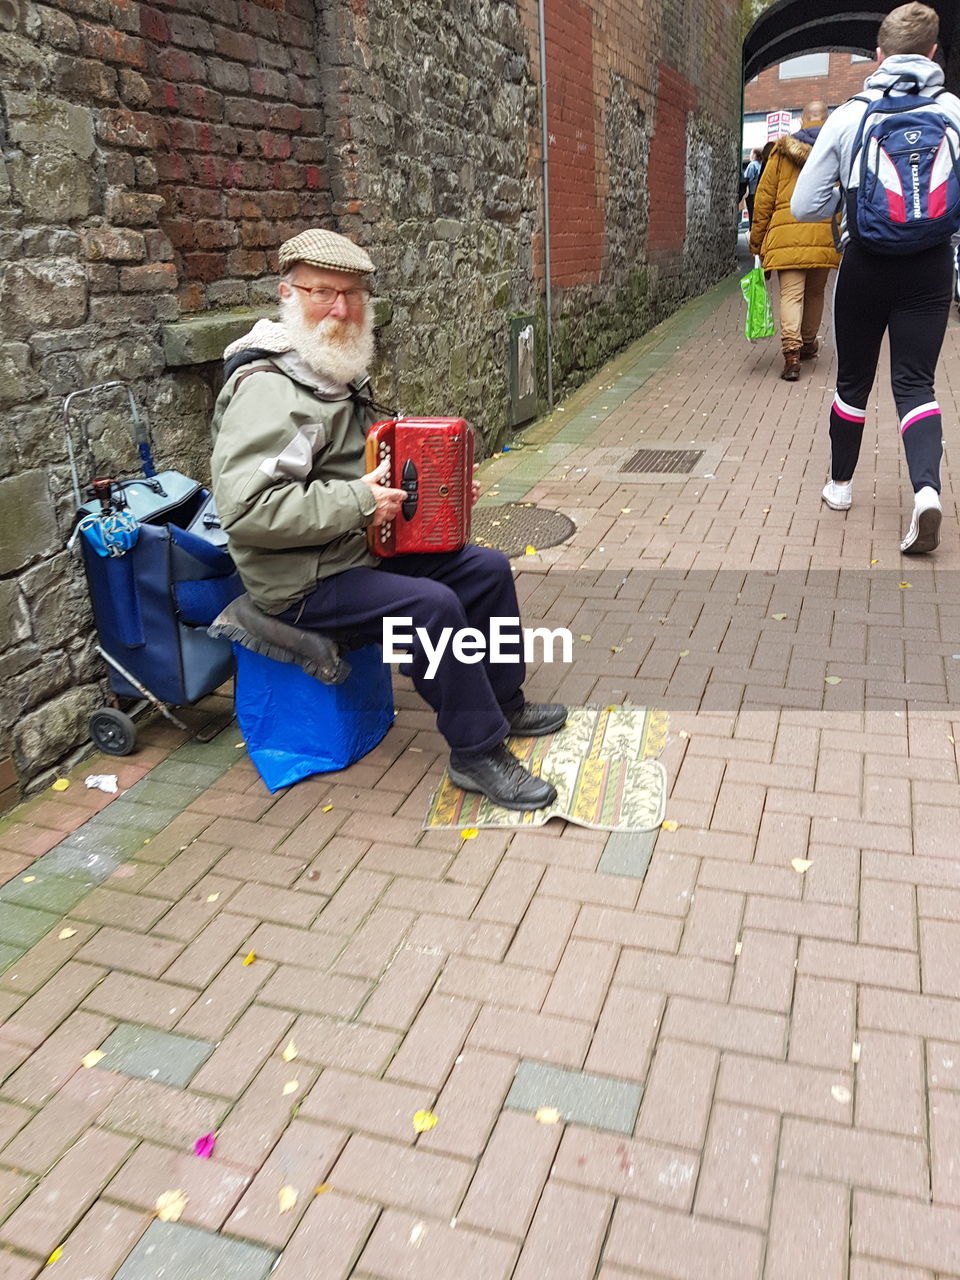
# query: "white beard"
[[340, 350]]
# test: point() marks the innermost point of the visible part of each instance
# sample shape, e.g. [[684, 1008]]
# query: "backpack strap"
[[257, 368]]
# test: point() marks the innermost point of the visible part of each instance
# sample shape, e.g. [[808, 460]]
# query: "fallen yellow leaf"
[[212, 897], [61, 784], [290, 1052], [29, 879], [423, 1120], [739, 947], [249, 957], [55, 1256], [290, 1087], [833, 680], [855, 1052], [170, 1206], [800, 865], [92, 1058], [530, 551], [323, 1188], [951, 738], [66, 933], [625, 511], [904, 586], [778, 617], [669, 824], [874, 561], [683, 734], [469, 833], [287, 1197], [547, 1115], [684, 653], [326, 808], [586, 639]]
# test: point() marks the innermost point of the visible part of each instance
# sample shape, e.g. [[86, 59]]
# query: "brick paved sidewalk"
[[752, 1038]]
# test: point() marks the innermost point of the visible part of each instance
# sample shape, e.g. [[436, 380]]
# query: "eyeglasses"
[[326, 296]]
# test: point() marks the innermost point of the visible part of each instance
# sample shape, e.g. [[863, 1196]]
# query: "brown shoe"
[[791, 366], [810, 350]]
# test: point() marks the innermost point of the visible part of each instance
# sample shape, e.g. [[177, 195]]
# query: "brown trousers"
[[801, 306]]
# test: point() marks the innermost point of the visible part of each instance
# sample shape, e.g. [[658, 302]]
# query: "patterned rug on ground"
[[603, 764]]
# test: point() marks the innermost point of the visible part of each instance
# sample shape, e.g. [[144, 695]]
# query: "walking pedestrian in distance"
[[802, 254], [751, 176]]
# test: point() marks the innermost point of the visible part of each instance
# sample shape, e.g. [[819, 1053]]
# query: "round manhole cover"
[[513, 527]]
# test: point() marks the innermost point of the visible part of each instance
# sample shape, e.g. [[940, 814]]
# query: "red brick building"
[[834, 77]]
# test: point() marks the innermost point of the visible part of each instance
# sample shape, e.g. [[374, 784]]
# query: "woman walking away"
[[802, 253]]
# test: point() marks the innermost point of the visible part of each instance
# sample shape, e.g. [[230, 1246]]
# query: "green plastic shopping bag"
[[760, 323]]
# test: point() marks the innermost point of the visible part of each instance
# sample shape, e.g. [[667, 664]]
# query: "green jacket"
[[287, 457]]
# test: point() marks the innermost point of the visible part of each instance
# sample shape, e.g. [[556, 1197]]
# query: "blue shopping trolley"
[[158, 573]]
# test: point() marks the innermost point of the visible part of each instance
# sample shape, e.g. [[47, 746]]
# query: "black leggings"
[[909, 297]]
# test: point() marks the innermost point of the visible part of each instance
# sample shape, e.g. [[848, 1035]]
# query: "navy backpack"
[[906, 163]]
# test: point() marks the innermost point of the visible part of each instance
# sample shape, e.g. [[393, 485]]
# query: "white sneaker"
[[924, 532], [838, 496]]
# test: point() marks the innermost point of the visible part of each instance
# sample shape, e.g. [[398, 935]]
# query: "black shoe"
[[536, 719], [500, 776]]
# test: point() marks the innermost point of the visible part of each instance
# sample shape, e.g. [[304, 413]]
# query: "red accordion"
[[431, 459]]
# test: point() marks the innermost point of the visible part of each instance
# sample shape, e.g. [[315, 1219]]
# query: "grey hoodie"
[[815, 196]]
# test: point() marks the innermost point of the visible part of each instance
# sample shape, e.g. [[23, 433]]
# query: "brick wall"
[[647, 94], [769, 93], [676, 99], [576, 218]]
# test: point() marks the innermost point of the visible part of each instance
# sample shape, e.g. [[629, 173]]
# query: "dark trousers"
[[455, 589], [907, 296]]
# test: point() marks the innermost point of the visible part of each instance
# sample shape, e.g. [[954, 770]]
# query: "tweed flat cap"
[[322, 248]]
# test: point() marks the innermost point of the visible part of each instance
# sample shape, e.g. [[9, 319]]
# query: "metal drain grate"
[[673, 461], [514, 526]]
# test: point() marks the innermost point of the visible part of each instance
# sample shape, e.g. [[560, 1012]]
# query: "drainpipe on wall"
[[545, 172]]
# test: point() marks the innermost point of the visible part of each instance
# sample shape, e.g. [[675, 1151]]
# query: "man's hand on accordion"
[[388, 500]]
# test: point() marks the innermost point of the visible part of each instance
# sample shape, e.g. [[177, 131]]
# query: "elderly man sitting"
[[288, 475]]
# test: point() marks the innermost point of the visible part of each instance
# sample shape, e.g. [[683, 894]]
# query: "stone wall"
[[154, 156], [652, 110]]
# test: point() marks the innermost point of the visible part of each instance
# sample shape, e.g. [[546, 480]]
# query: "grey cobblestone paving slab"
[[149, 817], [23, 926], [177, 770], [154, 1055], [98, 836], [582, 1097], [221, 750], [172, 1251], [628, 853], [47, 892], [165, 794]]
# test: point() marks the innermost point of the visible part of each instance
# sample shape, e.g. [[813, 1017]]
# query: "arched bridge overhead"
[[792, 27]]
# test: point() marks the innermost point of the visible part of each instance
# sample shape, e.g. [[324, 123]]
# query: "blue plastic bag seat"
[[294, 726]]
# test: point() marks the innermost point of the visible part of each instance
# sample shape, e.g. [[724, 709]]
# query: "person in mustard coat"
[[802, 253]]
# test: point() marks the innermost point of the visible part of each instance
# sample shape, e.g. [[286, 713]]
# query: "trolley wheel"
[[113, 731]]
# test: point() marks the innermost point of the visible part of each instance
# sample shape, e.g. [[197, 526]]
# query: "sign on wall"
[[778, 122]]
